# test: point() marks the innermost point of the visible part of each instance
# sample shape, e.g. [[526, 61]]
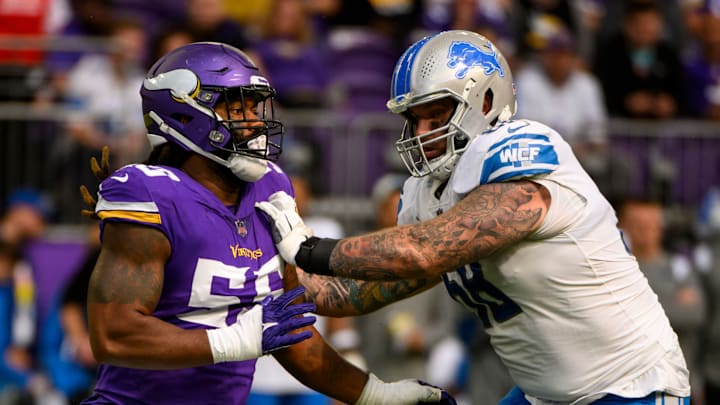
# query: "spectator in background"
[[526, 18], [74, 299], [703, 71], [465, 14], [673, 279], [675, 29], [167, 39], [693, 13], [21, 382], [364, 45], [21, 379], [250, 13], [489, 18], [102, 101], [440, 15], [154, 15], [577, 108], [294, 59], [67, 354], [640, 71], [90, 20], [37, 365], [25, 216], [206, 20], [103, 95]]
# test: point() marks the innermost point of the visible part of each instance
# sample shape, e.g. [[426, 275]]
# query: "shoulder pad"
[[134, 192], [510, 151]]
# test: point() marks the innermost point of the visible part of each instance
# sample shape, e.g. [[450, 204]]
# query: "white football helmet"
[[464, 66]]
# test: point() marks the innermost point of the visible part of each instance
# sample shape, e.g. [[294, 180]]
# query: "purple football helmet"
[[178, 96]]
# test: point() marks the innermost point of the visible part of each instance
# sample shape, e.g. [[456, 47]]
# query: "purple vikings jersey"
[[222, 263]]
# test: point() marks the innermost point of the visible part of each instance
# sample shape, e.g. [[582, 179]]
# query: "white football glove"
[[267, 327], [403, 392], [289, 230]]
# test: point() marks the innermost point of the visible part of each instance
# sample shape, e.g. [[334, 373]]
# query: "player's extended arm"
[[125, 288], [314, 360], [341, 297], [488, 219]]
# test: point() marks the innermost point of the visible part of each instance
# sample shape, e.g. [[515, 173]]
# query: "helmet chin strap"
[[246, 168]]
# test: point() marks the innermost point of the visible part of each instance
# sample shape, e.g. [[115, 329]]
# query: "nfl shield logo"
[[241, 228]]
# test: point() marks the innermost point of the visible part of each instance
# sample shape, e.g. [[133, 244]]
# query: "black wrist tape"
[[314, 255]]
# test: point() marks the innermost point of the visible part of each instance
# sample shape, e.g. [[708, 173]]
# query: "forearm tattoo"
[[490, 218], [345, 297]]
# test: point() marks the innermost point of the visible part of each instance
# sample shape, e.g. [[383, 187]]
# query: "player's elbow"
[[105, 349], [109, 341]]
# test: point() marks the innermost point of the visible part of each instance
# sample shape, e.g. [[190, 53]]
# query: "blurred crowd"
[[649, 59], [577, 64]]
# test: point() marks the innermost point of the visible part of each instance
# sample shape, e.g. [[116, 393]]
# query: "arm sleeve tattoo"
[[490, 218], [345, 297]]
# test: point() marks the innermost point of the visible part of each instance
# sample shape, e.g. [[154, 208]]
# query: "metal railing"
[[57, 43], [351, 153]]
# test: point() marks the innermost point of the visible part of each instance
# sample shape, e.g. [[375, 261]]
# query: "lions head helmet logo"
[[464, 56]]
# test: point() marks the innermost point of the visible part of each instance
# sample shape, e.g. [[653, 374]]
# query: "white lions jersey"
[[567, 309]]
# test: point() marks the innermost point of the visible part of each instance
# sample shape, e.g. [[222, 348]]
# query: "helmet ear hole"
[[181, 118], [488, 101]]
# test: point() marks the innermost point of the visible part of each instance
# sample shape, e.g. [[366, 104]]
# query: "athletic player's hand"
[[267, 327], [403, 392], [101, 171], [289, 230], [281, 317], [445, 397]]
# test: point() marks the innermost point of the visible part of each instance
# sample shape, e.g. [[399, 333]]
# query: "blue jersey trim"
[[524, 173], [518, 160], [534, 137]]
